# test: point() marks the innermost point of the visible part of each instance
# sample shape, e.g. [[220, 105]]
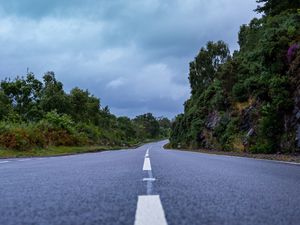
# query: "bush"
[[55, 121], [91, 132], [20, 136], [226, 131], [240, 92]]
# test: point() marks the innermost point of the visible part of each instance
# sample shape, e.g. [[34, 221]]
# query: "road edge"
[[292, 160]]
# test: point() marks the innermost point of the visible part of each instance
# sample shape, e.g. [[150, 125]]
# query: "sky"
[[132, 54]]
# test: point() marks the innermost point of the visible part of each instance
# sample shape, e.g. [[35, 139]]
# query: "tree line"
[[247, 101], [38, 114]]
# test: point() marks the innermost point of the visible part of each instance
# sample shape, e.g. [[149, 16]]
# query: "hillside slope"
[[248, 101]]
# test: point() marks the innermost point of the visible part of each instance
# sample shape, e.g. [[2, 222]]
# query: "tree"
[[5, 105], [203, 69], [165, 126], [24, 94], [274, 7], [147, 126], [53, 95], [79, 104], [246, 101], [126, 127], [84, 107]]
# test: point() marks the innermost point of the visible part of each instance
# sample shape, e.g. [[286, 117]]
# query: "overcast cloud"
[[133, 54]]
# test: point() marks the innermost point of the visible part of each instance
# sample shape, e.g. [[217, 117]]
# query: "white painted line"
[[241, 157], [149, 211], [147, 164], [23, 160], [4, 161], [148, 179], [291, 163], [147, 153]]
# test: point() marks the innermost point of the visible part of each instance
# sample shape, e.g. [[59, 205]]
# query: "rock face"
[[206, 137], [298, 136], [213, 120], [246, 120], [296, 113]]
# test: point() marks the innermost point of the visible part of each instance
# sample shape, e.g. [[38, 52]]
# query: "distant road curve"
[[148, 185]]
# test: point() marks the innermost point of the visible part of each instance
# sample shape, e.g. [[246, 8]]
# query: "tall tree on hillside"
[[203, 69], [274, 7]]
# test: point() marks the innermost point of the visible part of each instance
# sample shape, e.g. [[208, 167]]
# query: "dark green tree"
[[53, 95], [203, 69], [127, 128], [147, 126], [5, 105], [274, 7], [24, 94]]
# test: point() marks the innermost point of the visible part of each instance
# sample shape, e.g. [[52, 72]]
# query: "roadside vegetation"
[[247, 101], [40, 118]]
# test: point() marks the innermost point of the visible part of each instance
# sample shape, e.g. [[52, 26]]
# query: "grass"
[[64, 150], [54, 151]]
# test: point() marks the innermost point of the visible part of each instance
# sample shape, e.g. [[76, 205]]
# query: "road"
[[148, 185]]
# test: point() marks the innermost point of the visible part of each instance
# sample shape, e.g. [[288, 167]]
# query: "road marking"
[[147, 164], [149, 211], [23, 160], [147, 153], [149, 179], [4, 161], [242, 157]]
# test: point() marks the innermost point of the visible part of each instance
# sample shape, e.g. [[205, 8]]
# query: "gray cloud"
[[132, 54]]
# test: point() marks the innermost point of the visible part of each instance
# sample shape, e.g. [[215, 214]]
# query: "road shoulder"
[[286, 158]]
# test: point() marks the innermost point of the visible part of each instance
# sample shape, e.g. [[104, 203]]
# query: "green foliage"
[[24, 95], [36, 114], [147, 126], [84, 107], [226, 131], [165, 126], [240, 92], [274, 7], [246, 100], [53, 96], [127, 129], [20, 136], [203, 69], [5, 105], [214, 96], [55, 121]]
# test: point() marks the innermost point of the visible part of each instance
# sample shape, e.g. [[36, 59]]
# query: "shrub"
[[91, 133], [240, 92], [19, 136], [55, 121]]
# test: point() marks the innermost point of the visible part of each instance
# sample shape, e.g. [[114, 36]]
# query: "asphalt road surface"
[[148, 185]]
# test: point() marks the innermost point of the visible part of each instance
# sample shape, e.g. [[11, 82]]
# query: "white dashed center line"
[[4, 161], [149, 208], [147, 164], [149, 211], [147, 153], [148, 179]]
